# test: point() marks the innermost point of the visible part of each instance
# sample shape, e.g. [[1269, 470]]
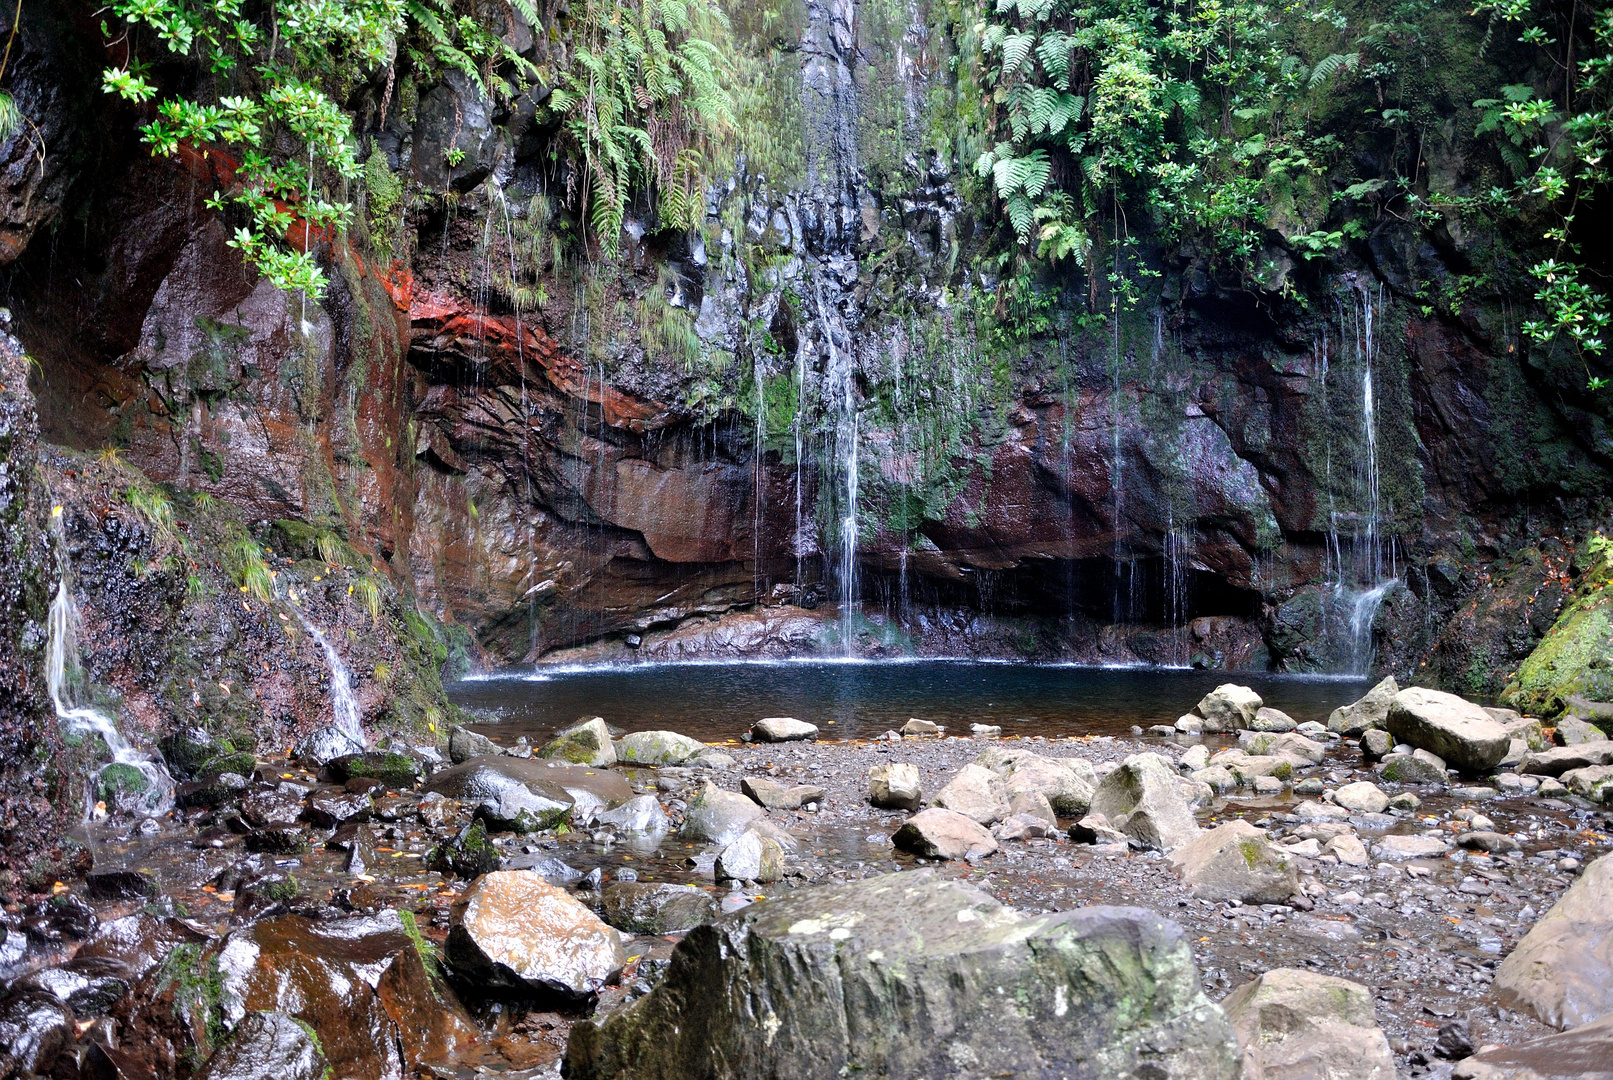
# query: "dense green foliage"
[[1239, 127], [641, 91]]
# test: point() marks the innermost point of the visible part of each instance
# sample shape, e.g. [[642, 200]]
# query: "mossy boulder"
[[911, 975], [584, 743], [1575, 657], [187, 750], [119, 782], [392, 769], [470, 853], [241, 762], [656, 748]]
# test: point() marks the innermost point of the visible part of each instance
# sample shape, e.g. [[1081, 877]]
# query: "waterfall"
[[841, 377], [61, 661], [1362, 581], [343, 706]]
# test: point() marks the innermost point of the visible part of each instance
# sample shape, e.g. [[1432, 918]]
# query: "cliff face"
[[37, 800], [705, 445]]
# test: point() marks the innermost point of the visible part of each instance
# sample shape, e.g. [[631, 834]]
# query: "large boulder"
[[1593, 783], [641, 907], [1067, 783], [1229, 707], [1236, 862], [518, 932], [783, 729], [324, 745], [584, 743], [1585, 1053], [976, 793], [266, 1046], [1371, 711], [1295, 1024], [504, 786], [1456, 729], [464, 744], [895, 787], [753, 857], [715, 816], [1562, 971], [656, 748], [1561, 759], [640, 814], [1143, 800], [776, 796], [374, 1002], [939, 833], [907, 975]]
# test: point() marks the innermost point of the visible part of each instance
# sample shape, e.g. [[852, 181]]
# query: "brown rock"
[[938, 833], [515, 931]]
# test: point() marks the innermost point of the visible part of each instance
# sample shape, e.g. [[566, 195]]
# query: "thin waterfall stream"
[[155, 796]]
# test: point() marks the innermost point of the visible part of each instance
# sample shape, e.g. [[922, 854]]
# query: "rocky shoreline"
[[463, 913]]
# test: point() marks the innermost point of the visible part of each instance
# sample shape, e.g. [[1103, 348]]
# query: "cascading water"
[[1364, 578], [843, 385], [343, 706], [156, 794]]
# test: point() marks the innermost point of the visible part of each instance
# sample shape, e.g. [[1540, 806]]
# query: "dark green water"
[[716, 701]]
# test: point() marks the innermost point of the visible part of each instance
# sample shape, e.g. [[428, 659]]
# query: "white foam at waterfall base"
[[82, 721]]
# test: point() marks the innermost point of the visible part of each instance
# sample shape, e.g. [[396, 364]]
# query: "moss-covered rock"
[[239, 762], [1575, 658], [470, 853], [393, 770], [584, 743]]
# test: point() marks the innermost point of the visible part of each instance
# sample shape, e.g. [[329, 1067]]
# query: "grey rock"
[[324, 745], [1559, 971], [518, 932], [1573, 731], [917, 728], [657, 748], [1275, 720], [718, 817], [1487, 840], [1194, 759], [895, 786], [1294, 1024], [1593, 783], [1410, 769], [1411, 847], [1371, 711], [1457, 730], [640, 814], [783, 729], [1363, 796], [753, 857], [1142, 800], [977, 793], [1235, 862], [775, 796], [1561, 759], [1376, 744], [1035, 804], [1229, 707], [584, 743], [899, 976], [939, 833], [639, 907], [464, 744], [1583, 1053]]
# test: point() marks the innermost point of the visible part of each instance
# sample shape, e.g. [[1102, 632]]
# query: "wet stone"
[[323, 745], [271, 807], [645, 908], [278, 840], [327, 811], [266, 1046], [395, 770], [34, 1030], [515, 931], [119, 885], [469, 853]]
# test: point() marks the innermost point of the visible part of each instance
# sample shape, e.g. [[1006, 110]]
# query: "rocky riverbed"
[[418, 917]]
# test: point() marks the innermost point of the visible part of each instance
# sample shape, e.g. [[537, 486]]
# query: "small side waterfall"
[[343, 706], [156, 796]]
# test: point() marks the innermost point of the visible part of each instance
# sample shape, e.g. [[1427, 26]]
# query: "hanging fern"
[[646, 105]]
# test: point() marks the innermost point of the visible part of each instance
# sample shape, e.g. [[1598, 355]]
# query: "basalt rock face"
[[658, 458], [36, 795]]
